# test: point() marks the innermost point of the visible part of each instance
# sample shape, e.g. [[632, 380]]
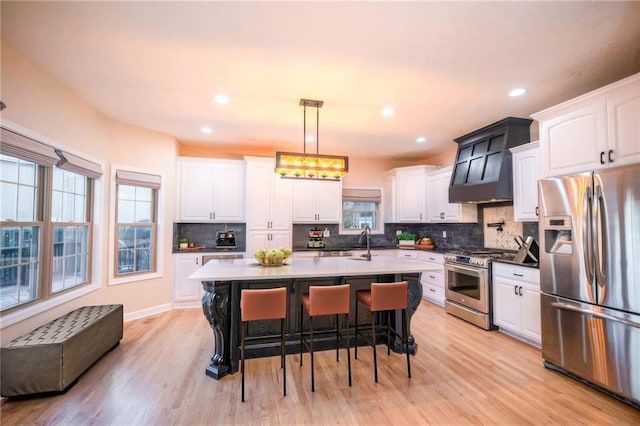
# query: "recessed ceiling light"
[[387, 112], [206, 129], [517, 92], [221, 99], [421, 139]]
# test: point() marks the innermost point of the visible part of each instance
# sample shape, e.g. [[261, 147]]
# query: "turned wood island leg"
[[216, 307]]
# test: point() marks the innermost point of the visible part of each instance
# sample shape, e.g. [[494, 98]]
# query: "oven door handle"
[[460, 268]]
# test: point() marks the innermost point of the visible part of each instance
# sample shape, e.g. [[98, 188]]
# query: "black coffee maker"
[[226, 239]]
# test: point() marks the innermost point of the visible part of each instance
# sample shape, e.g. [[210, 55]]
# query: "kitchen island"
[[222, 281]]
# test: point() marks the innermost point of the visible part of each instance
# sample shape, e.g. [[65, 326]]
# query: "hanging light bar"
[[311, 166]]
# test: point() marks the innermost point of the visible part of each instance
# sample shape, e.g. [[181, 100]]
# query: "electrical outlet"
[[398, 232], [444, 234]]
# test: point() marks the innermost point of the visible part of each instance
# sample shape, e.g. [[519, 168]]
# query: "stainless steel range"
[[468, 286]]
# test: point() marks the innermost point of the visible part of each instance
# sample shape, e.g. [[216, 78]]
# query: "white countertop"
[[249, 269]]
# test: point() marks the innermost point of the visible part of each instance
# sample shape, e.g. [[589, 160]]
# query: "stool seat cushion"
[[263, 304], [384, 296], [326, 300]]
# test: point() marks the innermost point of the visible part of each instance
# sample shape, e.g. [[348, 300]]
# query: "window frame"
[[379, 229], [46, 299], [154, 179]]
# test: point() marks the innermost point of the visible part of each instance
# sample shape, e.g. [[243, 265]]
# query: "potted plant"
[[406, 239], [183, 243]]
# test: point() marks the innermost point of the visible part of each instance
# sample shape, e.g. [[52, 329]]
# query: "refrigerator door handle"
[[587, 240], [600, 239], [601, 315]]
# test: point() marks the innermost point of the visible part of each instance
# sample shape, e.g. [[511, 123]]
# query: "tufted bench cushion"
[[53, 356]]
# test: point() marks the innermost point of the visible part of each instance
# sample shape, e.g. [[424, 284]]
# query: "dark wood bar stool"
[[384, 297], [325, 300], [264, 304]]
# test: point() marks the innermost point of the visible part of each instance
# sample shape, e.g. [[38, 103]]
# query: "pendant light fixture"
[[311, 166]]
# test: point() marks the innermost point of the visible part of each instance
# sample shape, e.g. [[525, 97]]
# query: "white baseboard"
[[147, 312]]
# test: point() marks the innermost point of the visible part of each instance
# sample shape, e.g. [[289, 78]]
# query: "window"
[[45, 220], [136, 218], [360, 208]]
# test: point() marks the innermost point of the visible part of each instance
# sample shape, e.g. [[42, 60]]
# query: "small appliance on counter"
[[226, 239], [316, 239]]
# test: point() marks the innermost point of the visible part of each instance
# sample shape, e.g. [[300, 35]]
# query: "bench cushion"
[[52, 356]]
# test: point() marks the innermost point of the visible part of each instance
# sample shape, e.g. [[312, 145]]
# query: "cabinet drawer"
[[433, 278], [427, 256], [515, 272], [433, 293], [407, 254]]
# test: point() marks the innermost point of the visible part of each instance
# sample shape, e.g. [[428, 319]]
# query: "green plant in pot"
[[406, 239], [183, 242]]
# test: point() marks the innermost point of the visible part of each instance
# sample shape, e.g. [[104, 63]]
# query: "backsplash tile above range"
[[505, 239]]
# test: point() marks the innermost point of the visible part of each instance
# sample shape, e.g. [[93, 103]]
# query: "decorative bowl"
[[270, 262]]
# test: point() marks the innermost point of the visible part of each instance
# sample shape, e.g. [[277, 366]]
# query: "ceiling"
[[445, 67]]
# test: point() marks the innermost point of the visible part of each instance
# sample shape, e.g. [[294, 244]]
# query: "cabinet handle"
[[420, 216], [515, 290], [610, 156], [537, 211], [432, 277], [197, 261], [518, 275], [520, 291], [601, 157], [432, 290]]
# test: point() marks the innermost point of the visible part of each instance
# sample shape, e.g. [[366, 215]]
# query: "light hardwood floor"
[[461, 375]]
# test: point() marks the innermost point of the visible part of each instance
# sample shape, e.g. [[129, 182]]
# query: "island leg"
[[215, 305], [414, 296]]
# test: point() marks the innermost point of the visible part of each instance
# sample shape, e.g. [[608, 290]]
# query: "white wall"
[[40, 104]]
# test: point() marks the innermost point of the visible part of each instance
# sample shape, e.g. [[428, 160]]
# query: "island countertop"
[[249, 269]]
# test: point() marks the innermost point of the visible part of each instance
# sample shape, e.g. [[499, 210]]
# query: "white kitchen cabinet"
[[526, 172], [406, 191], [516, 301], [317, 201], [185, 290], [438, 205], [269, 204], [389, 201], [433, 281], [211, 190], [266, 239], [593, 131]]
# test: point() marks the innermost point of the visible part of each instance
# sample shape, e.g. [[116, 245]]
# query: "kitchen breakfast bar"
[[223, 279]]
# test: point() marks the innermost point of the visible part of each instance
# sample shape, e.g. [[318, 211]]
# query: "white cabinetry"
[[211, 190], [526, 172], [389, 198], [317, 201], [185, 290], [594, 131], [406, 194], [433, 281], [268, 206], [438, 205], [516, 300]]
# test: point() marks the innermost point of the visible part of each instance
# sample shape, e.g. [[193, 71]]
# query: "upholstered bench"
[[53, 356]]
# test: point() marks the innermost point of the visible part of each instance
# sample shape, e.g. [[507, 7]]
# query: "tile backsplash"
[[505, 239]]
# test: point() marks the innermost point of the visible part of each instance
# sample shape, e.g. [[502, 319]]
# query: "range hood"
[[482, 168]]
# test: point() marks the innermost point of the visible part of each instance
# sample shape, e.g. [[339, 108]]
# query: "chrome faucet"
[[366, 234]]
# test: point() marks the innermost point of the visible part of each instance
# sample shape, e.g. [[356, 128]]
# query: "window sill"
[[38, 308], [135, 278]]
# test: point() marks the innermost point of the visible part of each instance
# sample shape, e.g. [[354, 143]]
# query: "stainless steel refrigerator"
[[590, 277]]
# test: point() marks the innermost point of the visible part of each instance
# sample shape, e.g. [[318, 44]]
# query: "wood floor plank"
[[460, 375]]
